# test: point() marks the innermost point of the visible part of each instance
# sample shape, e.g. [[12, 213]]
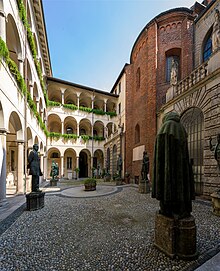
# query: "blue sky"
[[91, 40]]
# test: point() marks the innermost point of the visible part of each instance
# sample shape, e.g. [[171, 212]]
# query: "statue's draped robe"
[[172, 182]]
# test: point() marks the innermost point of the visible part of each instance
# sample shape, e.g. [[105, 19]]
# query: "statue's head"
[[35, 147], [171, 116]]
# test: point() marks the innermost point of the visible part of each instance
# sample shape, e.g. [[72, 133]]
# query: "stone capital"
[[20, 141], [2, 13], [3, 131]]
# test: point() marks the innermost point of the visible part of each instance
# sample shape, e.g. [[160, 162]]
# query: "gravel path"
[[114, 232]]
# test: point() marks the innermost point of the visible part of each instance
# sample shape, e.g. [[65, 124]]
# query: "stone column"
[[2, 25], [77, 165], [62, 166], [105, 105], [62, 97], [45, 167], [77, 129], [62, 127], [20, 167], [78, 101], [3, 153]]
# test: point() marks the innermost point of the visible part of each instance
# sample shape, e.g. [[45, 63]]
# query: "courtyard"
[[111, 231]]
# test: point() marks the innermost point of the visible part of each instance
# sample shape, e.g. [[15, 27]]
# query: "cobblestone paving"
[[106, 233]]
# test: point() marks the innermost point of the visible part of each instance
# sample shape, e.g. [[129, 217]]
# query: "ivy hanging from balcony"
[[30, 37]]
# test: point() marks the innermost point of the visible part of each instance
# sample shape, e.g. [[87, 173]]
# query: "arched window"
[[172, 54], [193, 121], [138, 78], [95, 133], [137, 134], [207, 48]]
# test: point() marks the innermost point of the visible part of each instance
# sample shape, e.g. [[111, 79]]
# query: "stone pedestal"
[[216, 203], [53, 182], [176, 237], [144, 187], [119, 181], [35, 201]]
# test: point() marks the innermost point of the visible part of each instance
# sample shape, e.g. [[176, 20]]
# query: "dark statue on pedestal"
[[119, 165], [173, 182], [216, 149], [145, 167], [34, 166], [35, 200], [54, 170], [173, 186]]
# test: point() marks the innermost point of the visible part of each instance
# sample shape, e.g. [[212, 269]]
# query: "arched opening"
[[70, 125], [173, 54], [98, 163], [84, 162], [13, 41], [98, 129], [15, 155], [54, 93], [85, 127], [70, 97], [54, 123], [193, 121], [137, 134]]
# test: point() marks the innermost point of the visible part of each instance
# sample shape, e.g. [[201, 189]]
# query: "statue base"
[[216, 203], [53, 182], [176, 237], [35, 201], [119, 181], [144, 187]]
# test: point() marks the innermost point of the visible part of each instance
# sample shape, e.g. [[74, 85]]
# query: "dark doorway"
[[83, 165]]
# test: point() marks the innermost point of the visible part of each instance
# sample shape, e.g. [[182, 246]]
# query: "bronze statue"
[[54, 170], [119, 165], [34, 166], [216, 149], [145, 166], [173, 182]]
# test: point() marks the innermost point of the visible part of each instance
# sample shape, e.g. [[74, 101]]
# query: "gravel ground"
[[114, 232]]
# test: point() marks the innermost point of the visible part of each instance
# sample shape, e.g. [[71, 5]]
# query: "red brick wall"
[[172, 30]]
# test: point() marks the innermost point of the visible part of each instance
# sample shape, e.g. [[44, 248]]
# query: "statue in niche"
[[34, 166], [145, 166], [216, 149], [174, 72], [216, 31], [173, 182]]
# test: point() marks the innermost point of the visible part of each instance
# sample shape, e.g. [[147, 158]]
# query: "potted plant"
[[90, 184]]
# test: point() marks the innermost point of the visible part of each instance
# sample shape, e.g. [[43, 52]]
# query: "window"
[[207, 48], [54, 155], [119, 88], [169, 65], [69, 130], [137, 134], [95, 133], [69, 162], [119, 108], [82, 132], [138, 78], [193, 121]]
